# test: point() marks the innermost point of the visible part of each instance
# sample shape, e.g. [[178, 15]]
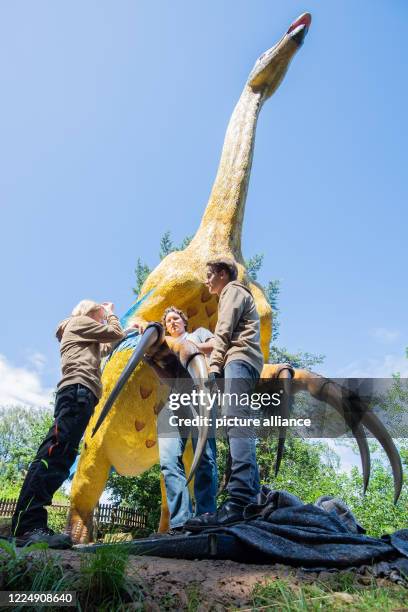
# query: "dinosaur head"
[[271, 67]]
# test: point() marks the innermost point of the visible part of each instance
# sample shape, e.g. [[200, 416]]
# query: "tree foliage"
[[142, 271], [253, 265], [167, 245], [21, 431], [141, 492]]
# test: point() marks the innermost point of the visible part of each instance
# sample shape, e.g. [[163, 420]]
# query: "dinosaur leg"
[[87, 487], [164, 524]]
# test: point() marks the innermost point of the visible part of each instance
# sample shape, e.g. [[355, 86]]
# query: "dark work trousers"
[[74, 406]]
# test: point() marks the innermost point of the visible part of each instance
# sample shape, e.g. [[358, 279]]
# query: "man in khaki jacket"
[[236, 355], [82, 337]]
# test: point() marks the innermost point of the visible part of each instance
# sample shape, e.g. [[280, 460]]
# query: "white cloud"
[[375, 368], [385, 336], [22, 386], [37, 360]]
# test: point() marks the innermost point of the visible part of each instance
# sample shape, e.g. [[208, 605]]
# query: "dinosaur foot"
[[80, 529]]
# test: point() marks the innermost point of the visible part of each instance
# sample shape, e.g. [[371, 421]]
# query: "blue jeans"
[[243, 485], [171, 449]]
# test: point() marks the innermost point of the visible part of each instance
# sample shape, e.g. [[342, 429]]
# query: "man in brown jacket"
[[82, 336], [236, 355]]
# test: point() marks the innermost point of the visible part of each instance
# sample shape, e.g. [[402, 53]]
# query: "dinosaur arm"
[[355, 412]]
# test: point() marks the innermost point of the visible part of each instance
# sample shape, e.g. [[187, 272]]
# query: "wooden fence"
[[104, 514]]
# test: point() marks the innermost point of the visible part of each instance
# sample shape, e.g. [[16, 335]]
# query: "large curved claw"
[[374, 425], [151, 336], [197, 368], [286, 374], [195, 364], [348, 405], [361, 439], [357, 415]]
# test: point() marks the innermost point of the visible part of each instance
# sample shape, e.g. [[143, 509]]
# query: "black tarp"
[[324, 535]]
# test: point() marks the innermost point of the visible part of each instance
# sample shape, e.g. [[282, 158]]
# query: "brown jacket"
[[82, 346], [237, 333]]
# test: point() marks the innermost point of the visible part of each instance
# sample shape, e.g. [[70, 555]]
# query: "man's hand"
[[109, 307], [140, 325], [212, 385], [205, 347]]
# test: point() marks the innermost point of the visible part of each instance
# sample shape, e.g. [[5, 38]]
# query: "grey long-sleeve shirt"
[[237, 333]]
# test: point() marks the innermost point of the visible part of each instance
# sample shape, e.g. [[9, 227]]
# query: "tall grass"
[[100, 584]]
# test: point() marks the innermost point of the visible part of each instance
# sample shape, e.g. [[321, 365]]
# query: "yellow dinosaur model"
[[128, 438]]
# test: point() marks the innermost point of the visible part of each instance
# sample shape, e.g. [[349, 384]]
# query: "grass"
[[101, 583], [341, 593], [103, 578], [189, 600], [21, 571]]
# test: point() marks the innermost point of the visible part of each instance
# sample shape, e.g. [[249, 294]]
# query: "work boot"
[[175, 531], [228, 514], [44, 534]]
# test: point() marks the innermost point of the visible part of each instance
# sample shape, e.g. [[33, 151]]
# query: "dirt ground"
[[216, 584]]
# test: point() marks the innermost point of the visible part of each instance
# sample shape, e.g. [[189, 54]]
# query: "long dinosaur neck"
[[221, 226]]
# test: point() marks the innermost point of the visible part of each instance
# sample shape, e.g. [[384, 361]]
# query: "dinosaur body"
[[127, 440]]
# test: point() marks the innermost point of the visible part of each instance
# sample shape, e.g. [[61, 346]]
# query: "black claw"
[[374, 425], [279, 452], [149, 338], [349, 406], [285, 411], [361, 438]]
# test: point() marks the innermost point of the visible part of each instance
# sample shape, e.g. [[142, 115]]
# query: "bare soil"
[[217, 585]]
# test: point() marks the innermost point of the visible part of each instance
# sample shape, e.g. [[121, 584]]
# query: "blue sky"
[[112, 118]]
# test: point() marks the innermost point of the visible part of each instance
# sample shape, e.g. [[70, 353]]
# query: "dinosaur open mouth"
[[303, 20]]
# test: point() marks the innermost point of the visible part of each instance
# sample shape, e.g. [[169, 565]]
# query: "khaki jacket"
[[237, 333], [82, 346]]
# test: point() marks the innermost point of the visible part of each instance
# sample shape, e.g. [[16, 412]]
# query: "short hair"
[[226, 264], [181, 314], [85, 307]]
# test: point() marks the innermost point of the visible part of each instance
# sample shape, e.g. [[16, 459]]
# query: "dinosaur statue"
[[127, 439]]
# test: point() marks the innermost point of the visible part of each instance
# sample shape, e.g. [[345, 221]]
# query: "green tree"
[[141, 492], [22, 430], [253, 265], [142, 271], [167, 246]]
